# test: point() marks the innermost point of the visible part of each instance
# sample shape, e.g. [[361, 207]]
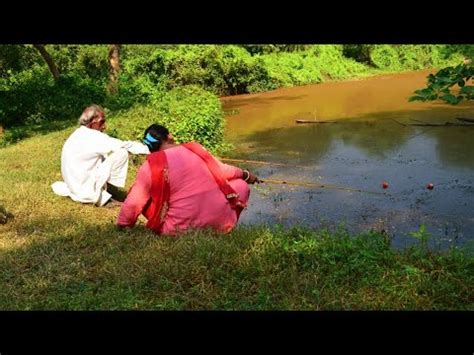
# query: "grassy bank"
[[57, 254]]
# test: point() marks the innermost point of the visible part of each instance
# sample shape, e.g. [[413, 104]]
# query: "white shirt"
[[82, 154]]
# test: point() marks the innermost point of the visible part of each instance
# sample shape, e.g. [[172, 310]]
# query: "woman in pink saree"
[[182, 186]]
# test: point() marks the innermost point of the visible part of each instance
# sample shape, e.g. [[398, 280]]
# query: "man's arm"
[[107, 145], [136, 147]]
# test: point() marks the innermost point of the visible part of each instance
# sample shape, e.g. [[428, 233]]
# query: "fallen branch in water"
[[313, 121], [318, 186], [400, 123], [446, 124], [465, 119]]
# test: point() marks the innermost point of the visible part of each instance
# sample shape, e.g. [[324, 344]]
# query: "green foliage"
[[316, 64], [189, 112], [223, 70], [243, 73], [89, 61], [15, 58], [466, 51], [194, 114], [422, 236], [385, 57], [274, 48], [289, 69], [32, 97], [449, 85], [86, 60], [29, 96], [412, 57]]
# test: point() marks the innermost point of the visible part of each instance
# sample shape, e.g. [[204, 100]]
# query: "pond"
[[374, 138]]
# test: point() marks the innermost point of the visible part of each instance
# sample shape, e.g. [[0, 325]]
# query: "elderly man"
[[91, 160]]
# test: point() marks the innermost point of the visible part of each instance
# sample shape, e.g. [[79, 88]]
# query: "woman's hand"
[[250, 178]]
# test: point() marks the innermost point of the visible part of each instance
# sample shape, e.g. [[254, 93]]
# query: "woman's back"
[[195, 198]]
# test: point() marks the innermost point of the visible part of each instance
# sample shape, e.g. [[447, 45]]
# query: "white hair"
[[91, 112]]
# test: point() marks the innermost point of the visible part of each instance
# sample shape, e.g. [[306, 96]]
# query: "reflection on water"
[[369, 143]]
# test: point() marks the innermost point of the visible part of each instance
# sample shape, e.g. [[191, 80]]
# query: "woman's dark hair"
[[154, 136]]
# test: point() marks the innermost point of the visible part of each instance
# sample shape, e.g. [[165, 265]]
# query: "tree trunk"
[[114, 68], [47, 58]]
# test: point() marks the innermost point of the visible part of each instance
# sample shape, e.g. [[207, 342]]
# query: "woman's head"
[[155, 135]]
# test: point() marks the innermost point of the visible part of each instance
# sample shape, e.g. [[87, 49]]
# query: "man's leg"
[[118, 167], [113, 170]]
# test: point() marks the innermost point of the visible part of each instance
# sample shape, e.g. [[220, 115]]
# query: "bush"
[[32, 96], [243, 73], [224, 70], [189, 112], [413, 57], [384, 57], [15, 58], [274, 48], [311, 66]]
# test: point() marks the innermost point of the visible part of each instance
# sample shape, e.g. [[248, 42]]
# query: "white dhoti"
[[90, 160], [113, 170]]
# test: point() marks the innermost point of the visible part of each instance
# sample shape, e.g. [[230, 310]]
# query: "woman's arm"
[[137, 198]]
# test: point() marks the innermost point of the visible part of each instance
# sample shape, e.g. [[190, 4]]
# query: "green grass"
[[57, 254]]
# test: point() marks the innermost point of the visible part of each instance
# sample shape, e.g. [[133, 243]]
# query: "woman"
[[184, 186]]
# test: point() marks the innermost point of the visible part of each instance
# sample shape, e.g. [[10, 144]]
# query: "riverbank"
[[375, 74], [61, 255]]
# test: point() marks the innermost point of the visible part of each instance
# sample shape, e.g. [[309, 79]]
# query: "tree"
[[47, 58], [442, 85], [114, 68]]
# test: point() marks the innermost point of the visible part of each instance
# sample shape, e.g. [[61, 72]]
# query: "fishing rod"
[[295, 183], [319, 186]]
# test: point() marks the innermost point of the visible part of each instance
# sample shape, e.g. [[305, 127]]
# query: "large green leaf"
[[450, 98]]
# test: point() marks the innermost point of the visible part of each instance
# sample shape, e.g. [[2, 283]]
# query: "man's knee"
[[115, 167], [122, 154], [119, 156]]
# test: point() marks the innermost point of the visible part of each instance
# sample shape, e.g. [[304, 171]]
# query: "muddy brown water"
[[365, 147]]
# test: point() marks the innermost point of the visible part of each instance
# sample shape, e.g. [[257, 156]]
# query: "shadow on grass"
[[16, 134], [93, 266]]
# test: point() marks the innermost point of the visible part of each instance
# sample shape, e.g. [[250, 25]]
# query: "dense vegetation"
[[153, 79]]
